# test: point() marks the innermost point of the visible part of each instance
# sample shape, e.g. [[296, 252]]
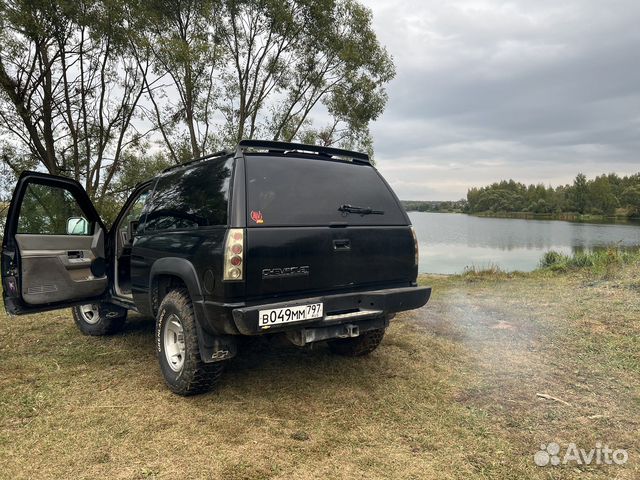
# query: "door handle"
[[342, 244]]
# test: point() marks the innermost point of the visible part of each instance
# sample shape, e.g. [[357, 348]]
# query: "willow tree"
[[181, 86], [286, 70], [86, 86], [69, 90]]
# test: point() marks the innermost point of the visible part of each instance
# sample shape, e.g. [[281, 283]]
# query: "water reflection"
[[451, 242]]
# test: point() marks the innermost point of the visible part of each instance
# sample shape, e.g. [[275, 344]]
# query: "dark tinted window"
[[295, 191], [192, 198], [134, 214]]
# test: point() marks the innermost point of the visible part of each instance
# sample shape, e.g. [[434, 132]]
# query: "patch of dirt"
[[502, 325]]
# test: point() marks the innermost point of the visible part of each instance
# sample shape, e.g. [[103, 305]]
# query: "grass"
[[475, 273], [451, 392], [600, 261], [607, 262]]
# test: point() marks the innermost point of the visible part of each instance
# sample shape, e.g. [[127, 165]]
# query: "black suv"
[[269, 238]]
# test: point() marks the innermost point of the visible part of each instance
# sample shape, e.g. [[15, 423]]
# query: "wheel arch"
[[169, 273], [172, 272]]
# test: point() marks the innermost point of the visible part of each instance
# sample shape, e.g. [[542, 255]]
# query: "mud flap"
[[215, 348]]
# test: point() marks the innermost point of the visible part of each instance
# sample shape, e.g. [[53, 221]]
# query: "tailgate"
[[290, 260], [300, 238]]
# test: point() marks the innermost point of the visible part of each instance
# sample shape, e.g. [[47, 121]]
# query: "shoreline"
[[567, 217], [563, 217]]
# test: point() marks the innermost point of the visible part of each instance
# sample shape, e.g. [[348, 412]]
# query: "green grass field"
[[451, 393]]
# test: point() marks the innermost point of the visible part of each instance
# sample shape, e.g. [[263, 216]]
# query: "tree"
[[136, 168], [8, 177], [601, 196], [69, 88], [580, 193], [260, 68], [79, 79], [182, 36], [631, 199]]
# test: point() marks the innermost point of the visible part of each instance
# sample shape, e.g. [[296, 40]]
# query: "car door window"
[[192, 198], [134, 214], [46, 210]]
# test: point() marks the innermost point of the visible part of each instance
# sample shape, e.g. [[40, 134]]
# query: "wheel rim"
[[90, 313], [174, 348]]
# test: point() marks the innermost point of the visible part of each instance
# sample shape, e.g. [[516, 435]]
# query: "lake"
[[449, 242]]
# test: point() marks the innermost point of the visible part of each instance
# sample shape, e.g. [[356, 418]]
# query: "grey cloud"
[[510, 86]]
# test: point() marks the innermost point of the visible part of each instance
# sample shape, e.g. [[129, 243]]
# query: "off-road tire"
[[195, 376], [358, 346], [99, 319]]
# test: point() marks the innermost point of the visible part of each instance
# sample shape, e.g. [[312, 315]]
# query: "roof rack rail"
[[221, 153], [285, 147]]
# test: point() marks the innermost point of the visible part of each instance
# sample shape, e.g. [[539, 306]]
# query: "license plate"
[[278, 316]]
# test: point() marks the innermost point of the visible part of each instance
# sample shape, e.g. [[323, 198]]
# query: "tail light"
[[234, 255], [415, 245]]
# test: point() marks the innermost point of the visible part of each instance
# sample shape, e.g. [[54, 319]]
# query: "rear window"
[[283, 191], [192, 198]]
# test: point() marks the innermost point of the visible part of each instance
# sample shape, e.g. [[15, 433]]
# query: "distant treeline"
[[458, 206], [604, 195]]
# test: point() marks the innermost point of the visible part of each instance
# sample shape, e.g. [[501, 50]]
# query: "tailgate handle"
[[343, 244]]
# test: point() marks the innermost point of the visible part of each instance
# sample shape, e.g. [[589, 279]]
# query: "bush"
[[553, 260]]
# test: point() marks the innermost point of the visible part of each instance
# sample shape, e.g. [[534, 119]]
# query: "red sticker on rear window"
[[257, 216]]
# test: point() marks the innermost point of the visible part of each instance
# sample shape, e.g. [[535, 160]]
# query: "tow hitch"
[[305, 336]]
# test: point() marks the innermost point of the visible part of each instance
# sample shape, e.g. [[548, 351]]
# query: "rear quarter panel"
[[202, 247]]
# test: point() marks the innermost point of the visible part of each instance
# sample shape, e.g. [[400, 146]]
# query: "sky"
[[487, 90]]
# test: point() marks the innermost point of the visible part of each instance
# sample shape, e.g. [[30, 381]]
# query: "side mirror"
[[77, 226]]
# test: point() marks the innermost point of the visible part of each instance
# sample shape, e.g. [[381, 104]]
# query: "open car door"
[[53, 251]]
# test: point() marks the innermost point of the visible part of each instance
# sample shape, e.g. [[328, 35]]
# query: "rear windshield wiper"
[[360, 210]]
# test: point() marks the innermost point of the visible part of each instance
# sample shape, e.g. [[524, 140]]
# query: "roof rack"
[[286, 147], [221, 153], [281, 147]]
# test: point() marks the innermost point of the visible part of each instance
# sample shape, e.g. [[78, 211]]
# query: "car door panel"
[[58, 267], [53, 250]]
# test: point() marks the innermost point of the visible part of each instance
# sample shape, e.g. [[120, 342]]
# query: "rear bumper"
[[348, 308]]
